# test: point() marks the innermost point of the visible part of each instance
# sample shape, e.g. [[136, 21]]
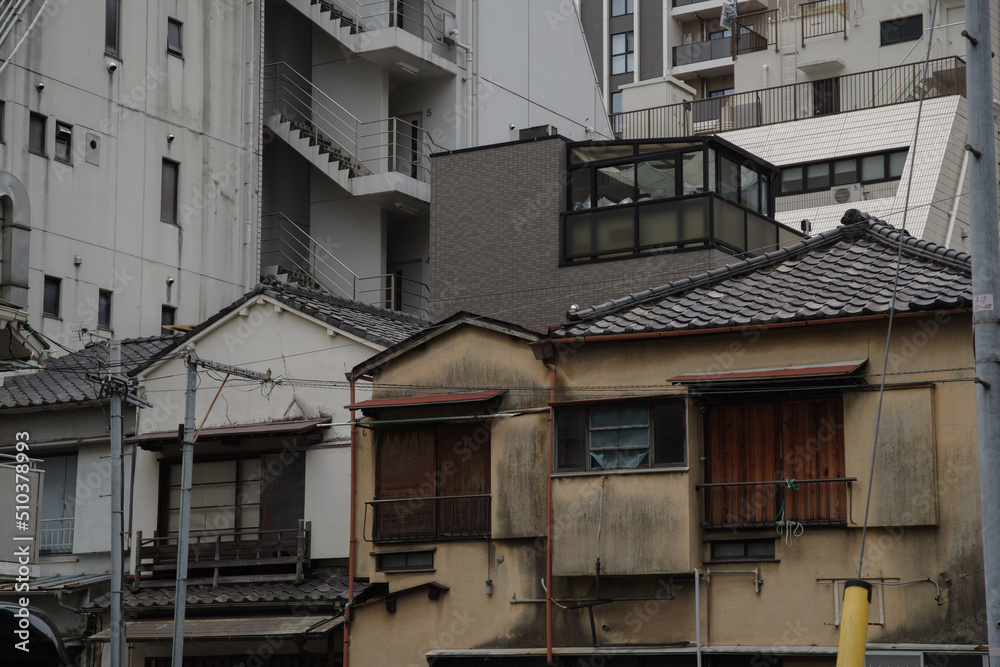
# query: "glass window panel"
[[845, 171], [668, 434], [580, 195], [104, 309], [727, 549], [818, 176], [630, 62], [618, 43], [571, 443], [619, 65], [604, 439], [50, 296], [605, 418], [673, 222], [761, 548], [174, 33], [761, 235], [873, 168], [896, 162], [656, 178], [36, 133], [694, 172], [765, 196], [751, 191], [168, 191], [730, 178], [614, 232], [711, 170], [634, 437], [660, 147], [635, 416], [579, 235], [585, 154], [791, 180], [616, 185], [729, 224]]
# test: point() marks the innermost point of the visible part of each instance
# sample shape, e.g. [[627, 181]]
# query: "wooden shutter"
[[405, 471], [463, 470], [743, 447], [812, 438]]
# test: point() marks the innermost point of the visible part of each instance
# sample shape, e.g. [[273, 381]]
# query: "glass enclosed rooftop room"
[[633, 198]]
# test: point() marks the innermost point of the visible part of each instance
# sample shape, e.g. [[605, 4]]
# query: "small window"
[[3, 118], [168, 191], [637, 435], [621, 53], [405, 561], [743, 550], [50, 300], [112, 23], [174, 37], [36, 133], [719, 34], [907, 29], [104, 309], [818, 176], [896, 162], [791, 179], [621, 7], [167, 315], [873, 168], [64, 142]]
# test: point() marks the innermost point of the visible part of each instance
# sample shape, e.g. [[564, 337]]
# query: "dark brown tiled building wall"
[[495, 240]]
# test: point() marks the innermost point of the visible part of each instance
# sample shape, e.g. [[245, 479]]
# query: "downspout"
[[697, 615], [469, 81], [350, 554], [956, 200], [548, 528], [249, 278]]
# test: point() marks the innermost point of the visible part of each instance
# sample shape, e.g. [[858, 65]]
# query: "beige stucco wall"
[[924, 511]]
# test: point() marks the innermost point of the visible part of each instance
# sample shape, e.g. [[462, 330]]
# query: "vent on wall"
[[842, 194]]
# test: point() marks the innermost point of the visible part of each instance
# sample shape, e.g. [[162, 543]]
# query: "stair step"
[[337, 13], [325, 146]]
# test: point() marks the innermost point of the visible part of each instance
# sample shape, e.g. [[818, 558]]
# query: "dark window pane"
[[896, 162], [36, 133], [167, 314], [760, 548], [168, 191], [845, 171], [818, 176], [906, 29], [668, 434], [104, 309], [580, 195], [112, 21], [727, 549], [3, 117], [729, 173], [50, 301], [616, 185], [174, 33], [571, 439], [873, 168], [791, 180], [656, 178]]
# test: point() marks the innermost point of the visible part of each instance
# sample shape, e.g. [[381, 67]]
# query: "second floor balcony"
[[432, 519], [806, 502], [781, 104]]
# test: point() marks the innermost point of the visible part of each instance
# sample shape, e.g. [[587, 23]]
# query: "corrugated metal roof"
[[781, 372], [432, 399], [270, 428], [61, 582], [242, 627]]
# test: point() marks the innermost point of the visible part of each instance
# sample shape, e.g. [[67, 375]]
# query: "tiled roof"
[[845, 272], [320, 588], [64, 380], [373, 323]]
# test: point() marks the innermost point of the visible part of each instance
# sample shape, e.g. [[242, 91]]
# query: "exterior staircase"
[[332, 19]]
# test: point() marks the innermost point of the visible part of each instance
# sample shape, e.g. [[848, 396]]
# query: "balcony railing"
[[698, 52], [285, 553], [464, 517], [781, 104], [823, 17], [810, 502], [755, 32], [57, 535]]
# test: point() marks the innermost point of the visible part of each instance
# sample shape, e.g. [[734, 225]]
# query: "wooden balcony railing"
[[429, 519], [284, 553], [781, 104], [810, 502], [823, 17]]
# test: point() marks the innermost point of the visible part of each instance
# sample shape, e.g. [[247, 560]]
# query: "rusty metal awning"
[[243, 431], [432, 399], [217, 629], [829, 369]]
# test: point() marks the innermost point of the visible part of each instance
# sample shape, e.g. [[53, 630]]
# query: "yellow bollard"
[[854, 624]]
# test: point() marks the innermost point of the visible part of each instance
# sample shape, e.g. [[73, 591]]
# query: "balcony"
[[57, 535], [441, 518], [222, 557], [809, 502], [821, 18], [781, 104]]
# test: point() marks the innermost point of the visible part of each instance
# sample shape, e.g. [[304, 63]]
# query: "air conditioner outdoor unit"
[[843, 194]]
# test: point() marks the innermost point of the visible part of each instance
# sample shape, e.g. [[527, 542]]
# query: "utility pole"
[[985, 297], [187, 465], [120, 390]]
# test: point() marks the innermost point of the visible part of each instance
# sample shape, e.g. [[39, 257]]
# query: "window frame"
[[177, 50], [653, 444], [900, 25], [3, 121], [628, 54], [63, 139], [169, 214], [34, 118], [745, 557], [51, 300], [112, 28], [831, 173], [407, 554], [165, 310], [628, 7], [104, 313]]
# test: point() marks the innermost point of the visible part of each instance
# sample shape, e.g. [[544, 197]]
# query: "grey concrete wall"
[[495, 240], [650, 39]]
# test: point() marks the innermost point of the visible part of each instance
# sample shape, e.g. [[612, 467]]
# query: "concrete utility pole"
[[985, 297], [187, 465], [120, 390]]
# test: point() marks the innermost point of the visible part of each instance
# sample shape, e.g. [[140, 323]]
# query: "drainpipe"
[[956, 200], [350, 555], [697, 615], [548, 529], [469, 81]]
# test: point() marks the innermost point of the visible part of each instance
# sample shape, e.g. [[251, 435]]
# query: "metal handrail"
[[762, 24], [308, 253], [780, 104], [436, 523], [374, 15], [49, 531], [822, 9], [768, 503]]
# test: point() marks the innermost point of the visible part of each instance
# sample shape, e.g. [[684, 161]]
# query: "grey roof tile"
[[845, 272]]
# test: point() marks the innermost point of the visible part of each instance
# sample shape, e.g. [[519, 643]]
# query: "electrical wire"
[[892, 305]]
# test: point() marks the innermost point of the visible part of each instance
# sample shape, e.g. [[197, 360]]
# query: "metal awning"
[[828, 369], [432, 399], [244, 431], [243, 627], [60, 582]]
